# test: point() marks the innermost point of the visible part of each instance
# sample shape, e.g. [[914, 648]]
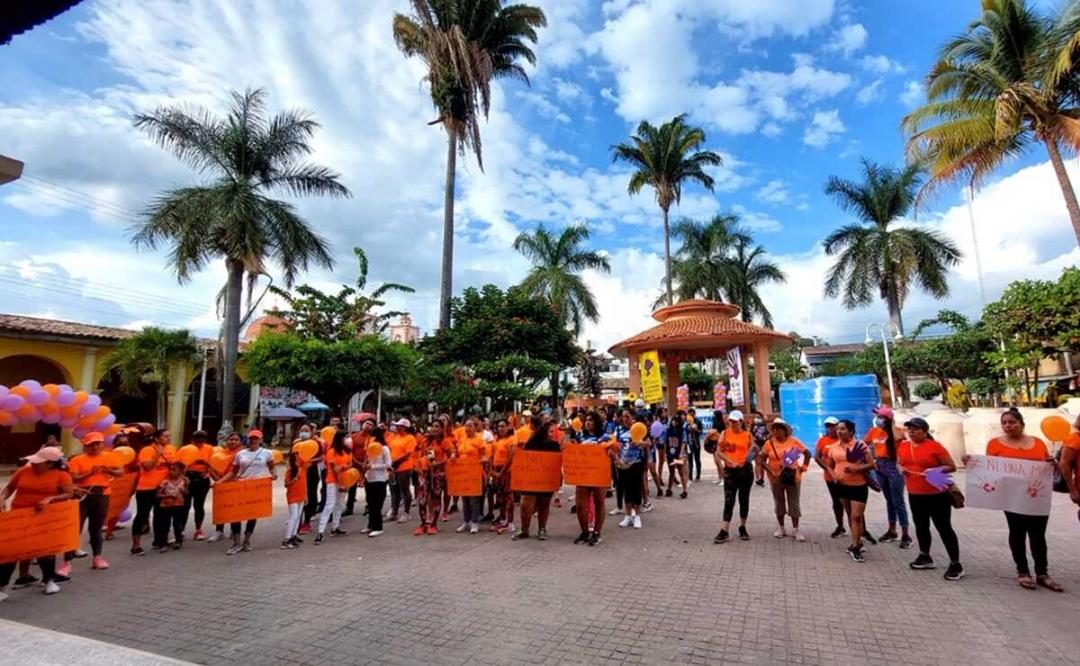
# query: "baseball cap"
[[93, 438], [735, 415], [887, 412], [527, 412], [403, 423], [917, 422], [639, 403], [255, 433], [46, 454], [780, 423], [831, 420]]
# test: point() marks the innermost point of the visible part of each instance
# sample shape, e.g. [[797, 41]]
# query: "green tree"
[[465, 44], [332, 370], [749, 271], [345, 315], [149, 358], [557, 264], [696, 379], [1007, 82], [665, 158], [246, 157], [927, 390], [875, 254], [702, 266], [590, 383], [959, 355]]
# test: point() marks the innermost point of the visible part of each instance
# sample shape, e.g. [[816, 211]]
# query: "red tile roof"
[[698, 324], [55, 327]]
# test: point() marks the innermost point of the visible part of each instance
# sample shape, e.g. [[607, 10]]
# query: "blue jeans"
[[892, 487]]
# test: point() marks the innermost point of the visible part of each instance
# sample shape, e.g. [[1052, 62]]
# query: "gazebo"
[[698, 330]]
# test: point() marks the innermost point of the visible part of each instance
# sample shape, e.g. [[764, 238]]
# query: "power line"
[[133, 296], [96, 200]]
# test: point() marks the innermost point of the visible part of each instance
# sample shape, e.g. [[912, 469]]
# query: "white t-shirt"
[[488, 437], [378, 466], [253, 464]]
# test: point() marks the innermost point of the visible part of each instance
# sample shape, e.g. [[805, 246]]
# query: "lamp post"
[[897, 401]]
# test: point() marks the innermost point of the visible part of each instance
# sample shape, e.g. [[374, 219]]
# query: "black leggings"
[[401, 492], [1023, 529], [693, 461], [166, 517], [737, 484], [630, 482], [198, 488], [144, 505], [938, 509], [375, 496], [837, 505], [234, 529], [92, 509], [47, 564]]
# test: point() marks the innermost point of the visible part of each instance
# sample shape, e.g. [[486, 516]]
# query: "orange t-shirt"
[[917, 458], [205, 451], [1073, 442], [735, 445], [774, 452], [459, 433], [523, 434], [83, 463], [343, 460], [150, 479], [403, 445], [438, 448], [501, 450], [838, 454], [1036, 452], [360, 441], [877, 438], [471, 448], [296, 492], [821, 451], [30, 487]]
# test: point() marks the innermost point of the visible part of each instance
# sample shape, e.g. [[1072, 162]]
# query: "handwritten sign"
[[122, 487], [464, 478], [1009, 484], [587, 465], [26, 534], [237, 501], [536, 472]]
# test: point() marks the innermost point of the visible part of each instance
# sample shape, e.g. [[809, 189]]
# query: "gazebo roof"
[[698, 324]]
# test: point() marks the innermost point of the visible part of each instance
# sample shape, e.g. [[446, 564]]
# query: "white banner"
[[734, 370], [1009, 484]]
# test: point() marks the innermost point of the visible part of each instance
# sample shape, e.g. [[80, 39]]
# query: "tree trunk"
[[162, 405], [233, 293], [667, 258], [555, 394], [446, 288], [892, 301], [1066, 186]]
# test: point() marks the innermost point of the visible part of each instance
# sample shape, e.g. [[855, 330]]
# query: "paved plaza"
[[664, 594]]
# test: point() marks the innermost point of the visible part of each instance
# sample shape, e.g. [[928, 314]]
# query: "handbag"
[[787, 475], [956, 496], [1060, 484]]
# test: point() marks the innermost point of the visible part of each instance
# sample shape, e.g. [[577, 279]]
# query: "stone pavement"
[[35, 646], [664, 594]]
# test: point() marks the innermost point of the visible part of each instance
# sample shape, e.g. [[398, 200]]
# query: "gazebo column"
[[744, 358], [635, 374], [672, 384], [762, 382]]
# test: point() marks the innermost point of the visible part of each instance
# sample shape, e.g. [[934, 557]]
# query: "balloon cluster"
[[82, 412], [682, 397], [719, 397]]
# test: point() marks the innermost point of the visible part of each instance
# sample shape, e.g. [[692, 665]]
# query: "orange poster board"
[[237, 501], [26, 534], [536, 472], [587, 465], [122, 487], [464, 478]]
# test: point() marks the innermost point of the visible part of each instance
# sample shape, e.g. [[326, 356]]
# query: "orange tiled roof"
[[698, 323], [21, 324]]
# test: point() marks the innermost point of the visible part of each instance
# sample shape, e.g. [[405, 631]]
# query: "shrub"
[[928, 390]]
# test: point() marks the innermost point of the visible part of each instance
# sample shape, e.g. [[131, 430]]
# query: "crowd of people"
[[402, 472]]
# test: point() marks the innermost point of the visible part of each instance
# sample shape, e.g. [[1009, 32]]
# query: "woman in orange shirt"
[[848, 461], [450, 435], [1023, 528], [339, 458], [883, 439], [40, 482], [233, 444], [154, 459], [402, 445], [360, 441], [430, 465], [470, 447], [93, 472], [295, 497], [923, 460], [1069, 465], [736, 452], [505, 442], [780, 460], [198, 474], [823, 443]]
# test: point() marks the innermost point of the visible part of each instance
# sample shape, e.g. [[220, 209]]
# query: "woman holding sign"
[[154, 460], [591, 500], [543, 439], [470, 449], [93, 472], [41, 482], [1024, 529], [254, 462]]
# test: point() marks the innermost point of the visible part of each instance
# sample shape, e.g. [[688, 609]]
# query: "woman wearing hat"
[[780, 460], [93, 471], [401, 445], [253, 462], [736, 452], [883, 439], [40, 482]]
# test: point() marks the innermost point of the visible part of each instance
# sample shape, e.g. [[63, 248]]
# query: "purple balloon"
[[38, 398], [33, 417], [103, 424], [109, 440], [51, 418], [87, 409], [30, 385], [125, 516], [79, 433], [68, 423], [12, 402], [94, 400], [65, 398], [66, 388], [4, 391], [657, 430]]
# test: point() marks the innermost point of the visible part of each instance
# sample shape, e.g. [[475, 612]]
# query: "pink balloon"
[[11, 402], [38, 397], [65, 398]]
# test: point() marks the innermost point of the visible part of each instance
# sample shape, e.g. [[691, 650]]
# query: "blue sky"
[[789, 92]]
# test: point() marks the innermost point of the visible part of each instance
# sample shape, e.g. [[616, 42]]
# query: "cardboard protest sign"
[[122, 488], [26, 534], [237, 501], [587, 465], [464, 478], [536, 471], [1010, 484]]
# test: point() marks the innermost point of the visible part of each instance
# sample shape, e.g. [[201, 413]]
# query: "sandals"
[[1026, 582], [1049, 583]]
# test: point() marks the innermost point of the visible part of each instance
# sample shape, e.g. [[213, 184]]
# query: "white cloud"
[[913, 94], [870, 93], [774, 192], [771, 130], [824, 126], [755, 221], [568, 91], [880, 64], [543, 106], [848, 39]]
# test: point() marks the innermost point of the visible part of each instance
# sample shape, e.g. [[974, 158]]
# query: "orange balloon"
[[69, 412], [114, 429], [101, 413], [576, 424], [20, 391], [638, 432], [220, 463], [188, 454], [52, 389], [1056, 428], [374, 449], [125, 454], [306, 449], [25, 412], [277, 456], [49, 408], [80, 397], [349, 477]]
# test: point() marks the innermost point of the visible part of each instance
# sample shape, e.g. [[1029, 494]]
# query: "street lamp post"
[[896, 400]]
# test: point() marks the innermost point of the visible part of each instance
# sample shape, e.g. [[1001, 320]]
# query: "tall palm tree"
[[556, 272], [148, 358], [245, 156], [875, 254], [664, 158], [701, 266], [465, 44], [750, 269], [1010, 80]]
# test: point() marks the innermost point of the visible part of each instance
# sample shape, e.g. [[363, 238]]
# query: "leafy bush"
[[927, 390]]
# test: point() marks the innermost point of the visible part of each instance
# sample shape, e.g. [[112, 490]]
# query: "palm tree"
[[750, 270], [701, 267], [148, 357], [1008, 81], [465, 44], [664, 158], [556, 272], [874, 254], [246, 156]]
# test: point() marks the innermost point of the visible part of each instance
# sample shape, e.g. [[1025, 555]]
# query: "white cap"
[[831, 420], [735, 415], [639, 403], [403, 423], [527, 412]]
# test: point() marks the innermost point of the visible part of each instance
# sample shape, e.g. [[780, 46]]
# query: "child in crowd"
[[171, 496]]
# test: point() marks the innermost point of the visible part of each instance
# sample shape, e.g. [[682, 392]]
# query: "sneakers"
[[856, 553], [541, 534], [365, 530], [24, 581], [743, 534], [445, 516], [667, 493], [647, 507], [64, 569], [682, 495], [391, 517], [57, 578], [582, 538], [955, 571], [199, 536], [780, 533], [287, 545], [80, 553], [304, 529], [234, 549], [509, 527], [887, 537], [431, 529], [637, 522], [870, 540], [474, 529], [760, 483], [99, 563], [217, 536], [337, 531], [419, 531], [615, 512], [838, 532], [798, 536], [137, 551], [403, 518], [722, 537], [595, 540], [318, 538], [246, 548], [519, 536], [905, 542], [51, 588], [922, 562], [626, 521], [374, 533], [462, 528]]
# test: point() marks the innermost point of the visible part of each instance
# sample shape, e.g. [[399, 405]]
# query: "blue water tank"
[[806, 404]]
